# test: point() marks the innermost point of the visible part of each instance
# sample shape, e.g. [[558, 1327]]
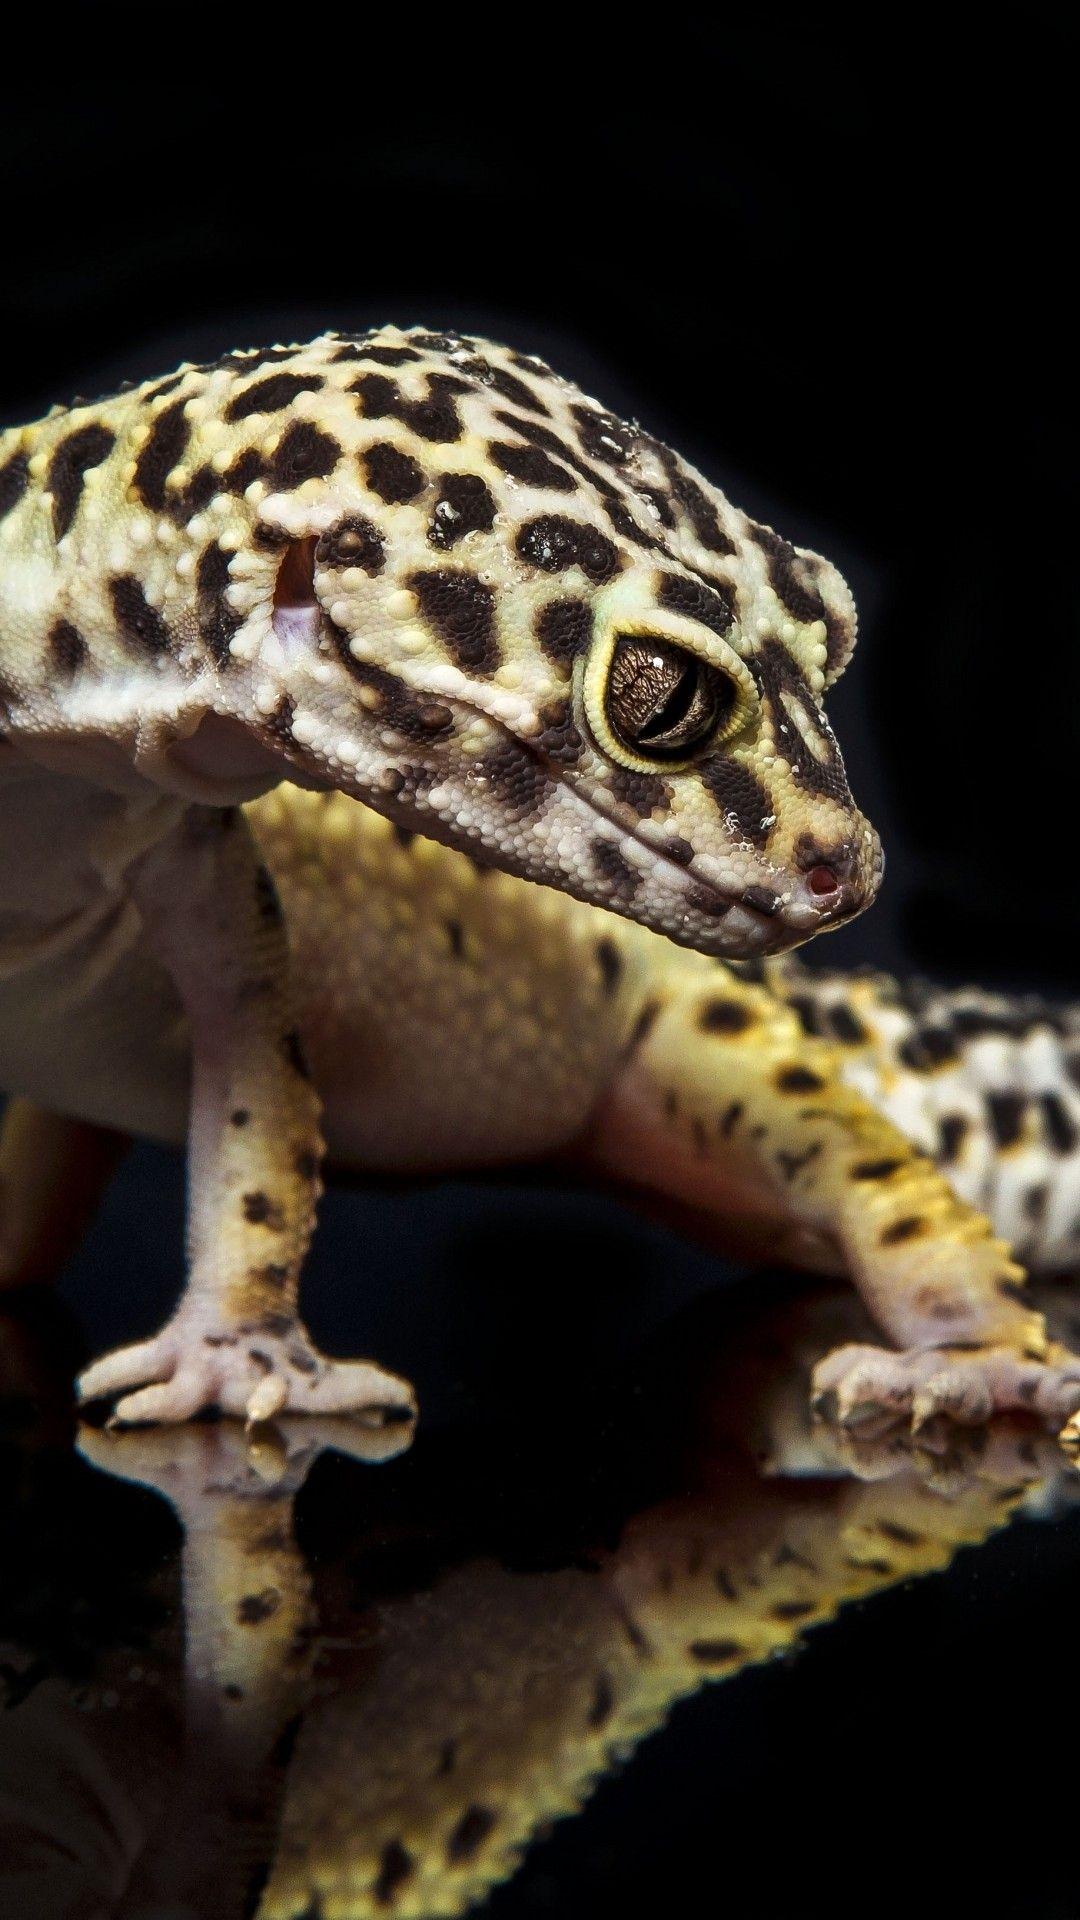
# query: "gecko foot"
[[194, 1365], [870, 1389]]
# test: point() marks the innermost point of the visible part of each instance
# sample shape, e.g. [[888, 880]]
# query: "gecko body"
[[424, 573]]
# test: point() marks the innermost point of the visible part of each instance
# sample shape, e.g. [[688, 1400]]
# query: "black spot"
[[507, 384], [271, 394], [259, 1210], [625, 524], [217, 620], [701, 512], [794, 1609], [659, 503], [792, 1164], [14, 480], [715, 1653], [303, 453], [799, 1080], [553, 542], [1034, 1204], [355, 542], [393, 475], [137, 620], [602, 1704], [67, 649], [560, 739], [845, 1025], [875, 1169], [161, 452], [254, 1608], [516, 777], [644, 1023], [613, 867], [395, 1868], [162, 387], [401, 708], [435, 418], [531, 466], [909, 1228], [641, 791], [724, 1016], [740, 797], [239, 1117], [436, 342], [952, 1129], [564, 629], [763, 900], [470, 1833], [460, 609], [706, 901], [86, 447], [294, 1053], [610, 962], [464, 506], [928, 1048], [247, 466], [266, 897], [808, 1014], [603, 436], [455, 933], [383, 356], [242, 361], [1006, 1112], [788, 575], [1060, 1128], [199, 492], [710, 606], [778, 674]]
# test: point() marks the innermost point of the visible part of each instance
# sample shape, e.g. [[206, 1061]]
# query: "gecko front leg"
[[724, 1103], [254, 1147]]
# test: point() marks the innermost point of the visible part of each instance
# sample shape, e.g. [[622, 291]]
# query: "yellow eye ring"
[[654, 703]]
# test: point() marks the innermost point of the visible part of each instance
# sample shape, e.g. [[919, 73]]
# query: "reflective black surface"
[[575, 1649]]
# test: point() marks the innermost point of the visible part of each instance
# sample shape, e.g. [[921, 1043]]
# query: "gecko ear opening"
[[296, 576], [296, 614]]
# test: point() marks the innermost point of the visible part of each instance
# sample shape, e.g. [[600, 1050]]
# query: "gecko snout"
[[839, 882]]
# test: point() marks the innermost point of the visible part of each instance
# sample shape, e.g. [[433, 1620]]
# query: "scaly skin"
[[434, 577]]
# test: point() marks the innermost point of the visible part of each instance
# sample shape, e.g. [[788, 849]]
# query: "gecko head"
[[558, 647]]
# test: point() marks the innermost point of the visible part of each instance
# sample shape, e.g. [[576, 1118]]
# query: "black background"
[[832, 267]]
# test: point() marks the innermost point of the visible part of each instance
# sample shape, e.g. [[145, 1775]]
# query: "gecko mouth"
[[767, 913]]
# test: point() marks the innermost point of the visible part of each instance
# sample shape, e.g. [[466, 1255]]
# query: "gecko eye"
[[663, 702]]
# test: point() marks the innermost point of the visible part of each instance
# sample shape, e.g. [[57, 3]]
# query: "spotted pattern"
[[393, 475], [460, 610], [464, 505], [85, 448]]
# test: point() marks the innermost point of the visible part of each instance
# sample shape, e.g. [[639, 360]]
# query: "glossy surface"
[[576, 1649]]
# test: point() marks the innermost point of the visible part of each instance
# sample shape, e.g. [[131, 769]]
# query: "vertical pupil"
[[675, 705]]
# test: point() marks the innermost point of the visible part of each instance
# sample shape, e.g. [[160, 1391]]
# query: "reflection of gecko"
[[428, 1736], [432, 575]]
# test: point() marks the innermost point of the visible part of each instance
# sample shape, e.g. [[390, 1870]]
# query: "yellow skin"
[[432, 576]]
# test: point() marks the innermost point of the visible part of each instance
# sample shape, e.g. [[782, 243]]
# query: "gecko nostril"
[[822, 879]]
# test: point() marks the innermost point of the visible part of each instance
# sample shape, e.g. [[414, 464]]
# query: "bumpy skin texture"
[[408, 567]]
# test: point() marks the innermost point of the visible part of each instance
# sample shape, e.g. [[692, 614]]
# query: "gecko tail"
[[986, 1084]]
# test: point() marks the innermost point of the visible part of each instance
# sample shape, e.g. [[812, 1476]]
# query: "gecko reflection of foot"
[[468, 1641]]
